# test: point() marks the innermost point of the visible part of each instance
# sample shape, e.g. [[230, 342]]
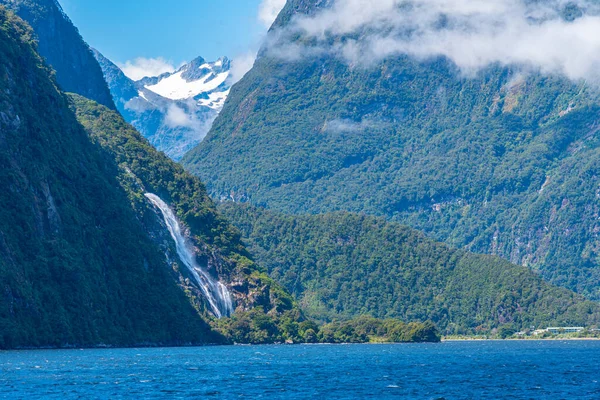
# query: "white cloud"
[[269, 10], [183, 115], [350, 126], [178, 117], [142, 67], [240, 65], [556, 36]]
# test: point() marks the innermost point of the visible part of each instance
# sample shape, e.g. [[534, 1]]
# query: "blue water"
[[451, 370]]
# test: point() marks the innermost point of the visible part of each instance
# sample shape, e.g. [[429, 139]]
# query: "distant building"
[[570, 329]]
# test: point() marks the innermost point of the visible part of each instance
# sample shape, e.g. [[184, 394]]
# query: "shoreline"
[[444, 340], [518, 340]]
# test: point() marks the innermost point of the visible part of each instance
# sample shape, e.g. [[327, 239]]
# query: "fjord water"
[[214, 291], [450, 370]]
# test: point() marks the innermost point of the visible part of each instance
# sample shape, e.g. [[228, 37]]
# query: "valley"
[[323, 198]]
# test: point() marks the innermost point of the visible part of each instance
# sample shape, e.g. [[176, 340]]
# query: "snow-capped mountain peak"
[[174, 111], [203, 81]]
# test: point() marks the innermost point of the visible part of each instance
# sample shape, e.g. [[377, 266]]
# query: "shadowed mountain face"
[[60, 43], [500, 159], [86, 258], [76, 264]]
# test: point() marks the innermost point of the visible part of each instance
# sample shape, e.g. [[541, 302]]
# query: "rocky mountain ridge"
[[174, 111]]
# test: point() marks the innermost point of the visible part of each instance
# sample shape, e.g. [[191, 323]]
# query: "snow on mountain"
[[207, 81], [174, 111], [215, 100], [177, 88]]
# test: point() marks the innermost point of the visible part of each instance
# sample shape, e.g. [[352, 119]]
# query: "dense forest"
[[143, 169], [263, 329], [85, 259], [266, 313], [77, 266], [345, 265], [502, 162]]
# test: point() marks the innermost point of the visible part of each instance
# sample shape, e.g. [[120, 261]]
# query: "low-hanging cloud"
[[555, 36], [269, 10], [178, 117], [343, 125], [184, 117], [143, 67], [240, 66]]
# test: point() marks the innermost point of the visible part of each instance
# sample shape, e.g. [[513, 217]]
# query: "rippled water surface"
[[451, 370]]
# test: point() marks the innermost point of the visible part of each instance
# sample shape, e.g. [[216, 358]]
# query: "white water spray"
[[214, 291]]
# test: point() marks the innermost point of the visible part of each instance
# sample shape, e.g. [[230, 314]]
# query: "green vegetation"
[[528, 334], [84, 258], [77, 266], [500, 163], [344, 265], [63, 48], [259, 328], [142, 169]]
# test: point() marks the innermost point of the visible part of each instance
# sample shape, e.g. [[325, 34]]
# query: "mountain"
[[345, 265], [104, 240], [76, 265], [174, 111], [60, 43], [143, 170], [199, 80], [504, 160]]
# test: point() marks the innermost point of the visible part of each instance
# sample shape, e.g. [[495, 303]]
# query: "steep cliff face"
[[76, 265], [85, 258], [217, 244], [63, 48], [503, 161]]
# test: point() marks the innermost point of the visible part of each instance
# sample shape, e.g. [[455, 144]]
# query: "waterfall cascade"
[[214, 291]]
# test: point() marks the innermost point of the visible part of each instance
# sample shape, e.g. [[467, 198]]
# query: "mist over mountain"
[[174, 111], [476, 123], [106, 241]]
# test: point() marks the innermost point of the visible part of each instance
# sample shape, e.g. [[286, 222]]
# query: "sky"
[[149, 37], [154, 36]]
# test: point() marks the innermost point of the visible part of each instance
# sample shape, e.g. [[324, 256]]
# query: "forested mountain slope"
[[76, 264], [142, 170], [344, 265], [504, 160], [60, 43], [85, 257]]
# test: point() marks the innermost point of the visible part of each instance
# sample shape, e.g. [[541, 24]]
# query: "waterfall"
[[214, 291]]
